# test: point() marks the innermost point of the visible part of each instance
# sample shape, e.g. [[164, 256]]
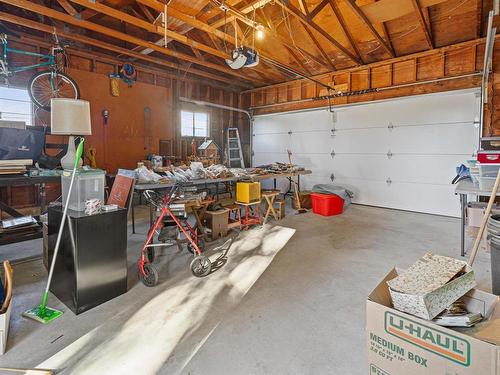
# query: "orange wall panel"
[[120, 143]]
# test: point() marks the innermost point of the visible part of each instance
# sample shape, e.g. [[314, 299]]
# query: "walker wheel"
[[151, 277], [200, 266], [201, 246]]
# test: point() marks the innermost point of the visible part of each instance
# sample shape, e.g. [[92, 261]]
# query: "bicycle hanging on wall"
[[45, 84]]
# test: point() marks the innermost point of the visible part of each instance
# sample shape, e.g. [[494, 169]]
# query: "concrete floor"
[[302, 311]]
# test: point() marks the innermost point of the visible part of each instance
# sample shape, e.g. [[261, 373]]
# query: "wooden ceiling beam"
[[155, 4], [309, 23], [318, 9], [68, 7], [160, 30], [359, 13], [423, 25], [298, 60], [318, 46], [255, 4], [110, 47], [345, 28], [27, 5], [172, 12], [303, 7], [144, 9]]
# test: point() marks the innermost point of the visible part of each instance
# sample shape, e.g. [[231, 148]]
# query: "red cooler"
[[327, 204]]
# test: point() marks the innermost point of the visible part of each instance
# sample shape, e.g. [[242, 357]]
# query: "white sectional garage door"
[[398, 154]]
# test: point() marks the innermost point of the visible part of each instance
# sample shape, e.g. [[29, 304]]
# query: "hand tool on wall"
[[485, 220], [300, 210], [42, 313]]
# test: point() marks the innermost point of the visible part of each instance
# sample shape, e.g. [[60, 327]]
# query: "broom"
[[42, 313]]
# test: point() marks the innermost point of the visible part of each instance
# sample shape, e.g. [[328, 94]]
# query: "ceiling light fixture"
[[259, 31]]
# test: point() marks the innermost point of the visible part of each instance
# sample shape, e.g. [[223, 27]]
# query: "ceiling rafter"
[[318, 46], [160, 30], [423, 24], [110, 47], [318, 9], [345, 28], [387, 36], [68, 7], [309, 23], [209, 28], [352, 5], [255, 4], [303, 7], [27, 5], [298, 60], [144, 9]]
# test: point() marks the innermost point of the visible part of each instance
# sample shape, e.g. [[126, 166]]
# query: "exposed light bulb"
[[259, 32]]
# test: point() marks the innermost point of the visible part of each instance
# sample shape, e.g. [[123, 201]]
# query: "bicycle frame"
[[50, 59]]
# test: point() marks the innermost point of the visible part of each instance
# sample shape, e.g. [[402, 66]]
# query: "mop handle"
[[79, 152]]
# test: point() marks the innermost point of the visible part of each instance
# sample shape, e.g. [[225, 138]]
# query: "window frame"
[[194, 111]]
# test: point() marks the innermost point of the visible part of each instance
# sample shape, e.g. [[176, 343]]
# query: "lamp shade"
[[70, 117]]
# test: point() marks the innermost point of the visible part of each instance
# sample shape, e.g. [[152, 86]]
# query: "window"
[[194, 124], [15, 105]]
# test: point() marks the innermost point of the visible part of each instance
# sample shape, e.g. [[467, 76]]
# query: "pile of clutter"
[[197, 171]]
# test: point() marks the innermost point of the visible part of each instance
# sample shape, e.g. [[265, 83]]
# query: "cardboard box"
[[430, 285], [399, 343]]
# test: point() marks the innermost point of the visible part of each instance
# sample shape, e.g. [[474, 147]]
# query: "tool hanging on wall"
[[148, 128], [114, 82], [128, 74], [300, 210]]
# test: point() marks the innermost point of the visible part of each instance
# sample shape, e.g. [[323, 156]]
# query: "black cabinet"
[[91, 266]]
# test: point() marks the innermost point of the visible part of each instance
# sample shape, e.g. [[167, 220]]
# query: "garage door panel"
[[365, 141], [271, 143], [311, 143], [435, 139], [428, 169]]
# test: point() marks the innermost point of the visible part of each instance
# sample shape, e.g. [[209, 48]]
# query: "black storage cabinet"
[[91, 266]]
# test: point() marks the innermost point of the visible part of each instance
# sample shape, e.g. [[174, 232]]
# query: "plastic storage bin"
[[327, 204], [486, 183], [488, 169], [247, 192], [89, 184]]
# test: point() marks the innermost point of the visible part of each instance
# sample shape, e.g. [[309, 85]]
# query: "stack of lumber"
[[14, 166]]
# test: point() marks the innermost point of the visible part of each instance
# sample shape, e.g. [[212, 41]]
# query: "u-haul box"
[[399, 343]]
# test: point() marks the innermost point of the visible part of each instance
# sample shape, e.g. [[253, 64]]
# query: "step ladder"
[[234, 152]]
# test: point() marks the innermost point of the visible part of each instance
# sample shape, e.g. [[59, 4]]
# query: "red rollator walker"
[[200, 266]]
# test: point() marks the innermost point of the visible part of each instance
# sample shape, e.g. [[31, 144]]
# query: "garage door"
[[398, 154]]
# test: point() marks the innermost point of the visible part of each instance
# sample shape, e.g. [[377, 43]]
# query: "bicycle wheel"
[[44, 86]]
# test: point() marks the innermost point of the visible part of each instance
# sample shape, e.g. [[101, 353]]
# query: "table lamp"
[[70, 117]]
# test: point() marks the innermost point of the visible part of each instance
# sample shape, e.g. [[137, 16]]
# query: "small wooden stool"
[[218, 221], [281, 203], [270, 196], [234, 219], [249, 218]]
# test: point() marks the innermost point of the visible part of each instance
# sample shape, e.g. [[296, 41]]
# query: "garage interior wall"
[[399, 153]]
